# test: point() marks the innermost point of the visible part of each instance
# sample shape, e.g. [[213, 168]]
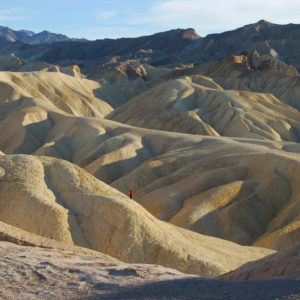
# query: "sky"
[[97, 19]]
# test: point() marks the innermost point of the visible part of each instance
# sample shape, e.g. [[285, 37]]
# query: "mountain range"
[[175, 46], [26, 36]]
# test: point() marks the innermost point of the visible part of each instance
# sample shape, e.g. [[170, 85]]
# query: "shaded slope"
[[282, 265], [36, 273], [18, 236]]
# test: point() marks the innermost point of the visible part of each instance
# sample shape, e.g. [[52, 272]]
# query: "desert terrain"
[[209, 146]]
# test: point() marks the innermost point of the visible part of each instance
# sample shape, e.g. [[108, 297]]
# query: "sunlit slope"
[[70, 94], [55, 199], [252, 72], [198, 105], [233, 189], [239, 189], [15, 64]]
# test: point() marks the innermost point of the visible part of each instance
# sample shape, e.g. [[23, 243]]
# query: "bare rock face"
[[267, 63], [77, 209], [191, 34]]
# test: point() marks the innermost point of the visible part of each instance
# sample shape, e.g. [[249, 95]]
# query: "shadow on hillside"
[[34, 138], [205, 288]]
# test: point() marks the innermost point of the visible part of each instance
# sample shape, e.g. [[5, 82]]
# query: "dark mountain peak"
[[259, 26], [264, 23], [45, 32], [27, 32], [45, 37], [4, 29]]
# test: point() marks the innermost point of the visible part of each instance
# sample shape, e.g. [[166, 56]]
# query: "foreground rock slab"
[[35, 273], [39, 273]]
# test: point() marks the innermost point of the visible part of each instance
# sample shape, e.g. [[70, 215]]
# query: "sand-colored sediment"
[[57, 200]]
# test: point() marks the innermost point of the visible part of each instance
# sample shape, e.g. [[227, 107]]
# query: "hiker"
[[130, 194]]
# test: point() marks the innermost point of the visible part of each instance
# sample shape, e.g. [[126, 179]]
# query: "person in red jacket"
[[130, 194]]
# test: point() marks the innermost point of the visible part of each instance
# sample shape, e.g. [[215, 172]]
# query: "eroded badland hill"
[[207, 138]]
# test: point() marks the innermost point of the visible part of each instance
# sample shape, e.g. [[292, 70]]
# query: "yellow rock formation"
[[55, 199]]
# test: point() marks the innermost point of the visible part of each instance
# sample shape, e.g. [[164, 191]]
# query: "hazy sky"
[[94, 19]]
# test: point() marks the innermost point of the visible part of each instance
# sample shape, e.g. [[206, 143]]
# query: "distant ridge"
[[279, 41], [176, 46], [160, 48], [44, 37]]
